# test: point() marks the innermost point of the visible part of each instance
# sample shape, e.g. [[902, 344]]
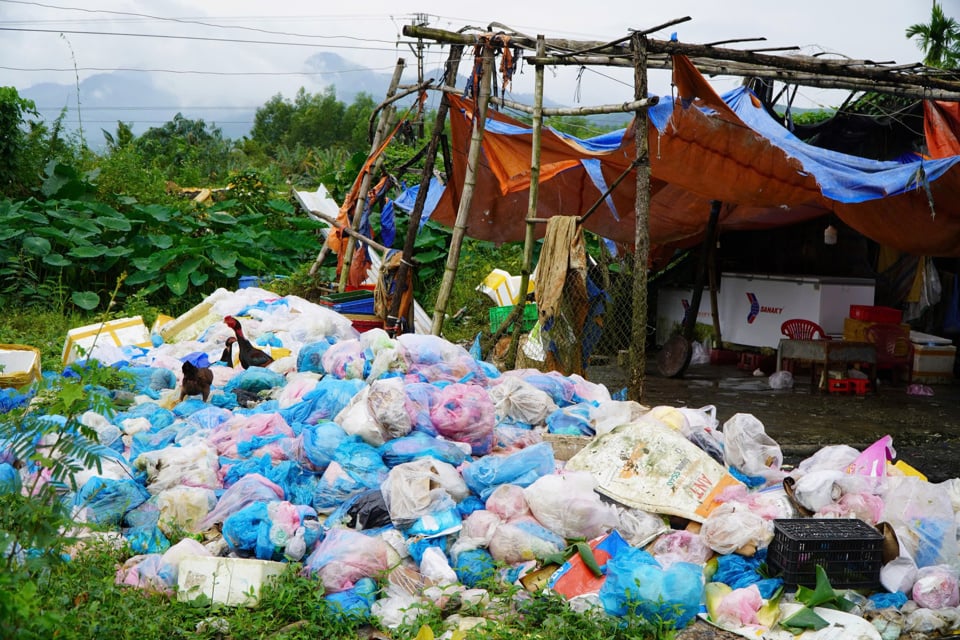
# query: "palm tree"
[[939, 40]]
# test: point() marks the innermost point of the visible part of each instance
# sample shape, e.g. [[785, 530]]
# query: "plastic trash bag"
[[194, 465], [247, 490], [508, 502], [465, 413], [104, 501], [357, 420], [347, 359], [356, 467], [748, 448], [568, 505], [734, 526], [680, 546], [318, 444], [516, 400], [417, 445], [936, 587], [474, 566], [573, 420], [323, 402], [386, 402], [521, 468], [523, 540], [420, 397], [922, 517], [310, 356], [780, 380], [737, 571], [420, 488], [435, 567], [635, 582], [365, 510], [345, 556], [255, 380], [353, 605]]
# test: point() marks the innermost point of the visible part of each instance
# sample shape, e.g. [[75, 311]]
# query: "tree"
[[939, 40], [188, 151], [14, 111], [272, 122]]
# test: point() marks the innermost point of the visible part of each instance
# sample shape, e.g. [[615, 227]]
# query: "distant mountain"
[[133, 97]]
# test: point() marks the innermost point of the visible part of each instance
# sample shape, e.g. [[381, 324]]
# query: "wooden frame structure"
[[638, 51]]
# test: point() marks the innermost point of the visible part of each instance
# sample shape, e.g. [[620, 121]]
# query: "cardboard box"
[[933, 364], [856, 330], [228, 581], [120, 333]]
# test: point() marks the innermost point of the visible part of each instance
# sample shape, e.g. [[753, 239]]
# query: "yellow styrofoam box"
[[933, 363], [160, 322], [120, 333], [856, 330], [190, 325], [19, 365], [228, 581]]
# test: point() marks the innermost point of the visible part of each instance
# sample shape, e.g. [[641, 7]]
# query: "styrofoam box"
[[228, 581], [933, 363], [18, 362], [121, 332]]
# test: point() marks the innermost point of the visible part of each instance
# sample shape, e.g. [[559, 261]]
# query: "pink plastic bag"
[[936, 587], [345, 556], [873, 461], [465, 413]]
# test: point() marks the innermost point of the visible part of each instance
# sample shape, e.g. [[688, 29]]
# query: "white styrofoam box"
[[228, 581], [19, 365], [933, 363], [121, 332]]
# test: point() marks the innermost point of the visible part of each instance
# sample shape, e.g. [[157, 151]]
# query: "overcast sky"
[[45, 35]]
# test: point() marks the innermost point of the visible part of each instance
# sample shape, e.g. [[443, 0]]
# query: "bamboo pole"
[[348, 230], [633, 105], [469, 184], [453, 65], [641, 237], [531, 226], [385, 116]]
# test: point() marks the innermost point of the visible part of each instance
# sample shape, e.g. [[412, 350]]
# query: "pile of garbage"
[[401, 472]]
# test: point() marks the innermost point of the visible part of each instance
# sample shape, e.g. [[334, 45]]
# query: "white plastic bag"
[[568, 505], [936, 587], [516, 400], [386, 401], [781, 380], [748, 448], [421, 487], [733, 526]]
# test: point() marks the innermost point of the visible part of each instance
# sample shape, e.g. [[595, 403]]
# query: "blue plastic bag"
[[353, 605], [636, 583], [521, 468], [474, 566], [323, 402], [255, 380], [573, 420], [310, 357], [418, 444], [107, 500], [320, 442], [9, 479], [738, 572]]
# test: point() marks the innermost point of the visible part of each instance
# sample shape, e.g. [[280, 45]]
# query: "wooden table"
[[829, 352]]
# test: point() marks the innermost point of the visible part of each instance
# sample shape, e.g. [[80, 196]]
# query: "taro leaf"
[[281, 205], [822, 594], [9, 232], [223, 257], [222, 218], [86, 300], [118, 252], [127, 200], [114, 223], [36, 217], [177, 281], [155, 212], [90, 251], [804, 618], [36, 246], [197, 278], [160, 241], [56, 260], [430, 256], [139, 277]]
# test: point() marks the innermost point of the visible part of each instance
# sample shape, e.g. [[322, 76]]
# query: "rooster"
[[250, 356], [227, 355], [196, 381]]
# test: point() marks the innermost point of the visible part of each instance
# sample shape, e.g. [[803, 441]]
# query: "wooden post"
[[453, 65], [385, 117], [690, 320], [714, 285], [469, 184], [641, 236], [530, 231]]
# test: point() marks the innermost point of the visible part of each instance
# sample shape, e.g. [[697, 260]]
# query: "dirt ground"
[[925, 430]]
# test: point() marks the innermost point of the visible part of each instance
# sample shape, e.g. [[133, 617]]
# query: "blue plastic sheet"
[[152, 440], [521, 468], [636, 583]]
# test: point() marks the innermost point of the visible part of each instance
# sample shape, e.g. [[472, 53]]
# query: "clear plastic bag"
[[519, 401], [568, 505], [936, 587], [345, 556], [465, 413], [748, 448], [420, 488], [521, 468]]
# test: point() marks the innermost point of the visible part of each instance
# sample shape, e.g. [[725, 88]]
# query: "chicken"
[[250, 356], [227, 355], [196, 381]]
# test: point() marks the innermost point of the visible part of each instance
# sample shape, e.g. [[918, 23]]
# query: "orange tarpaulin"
[[702, 150]]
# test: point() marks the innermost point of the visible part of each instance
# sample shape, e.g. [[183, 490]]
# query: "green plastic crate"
[[499, 314]]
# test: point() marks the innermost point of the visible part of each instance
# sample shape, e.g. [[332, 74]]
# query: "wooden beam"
[[568, 111]]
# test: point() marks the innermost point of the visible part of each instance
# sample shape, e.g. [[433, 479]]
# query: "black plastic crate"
[[849, 550]]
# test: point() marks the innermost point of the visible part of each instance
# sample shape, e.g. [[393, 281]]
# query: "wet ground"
[[925, 430]]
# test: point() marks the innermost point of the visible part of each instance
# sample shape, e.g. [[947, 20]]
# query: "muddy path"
[[925, 430]]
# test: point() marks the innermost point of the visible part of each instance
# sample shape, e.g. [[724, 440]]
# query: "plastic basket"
[[499, 314], [849, 550], [869, 313], [350, 301]]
